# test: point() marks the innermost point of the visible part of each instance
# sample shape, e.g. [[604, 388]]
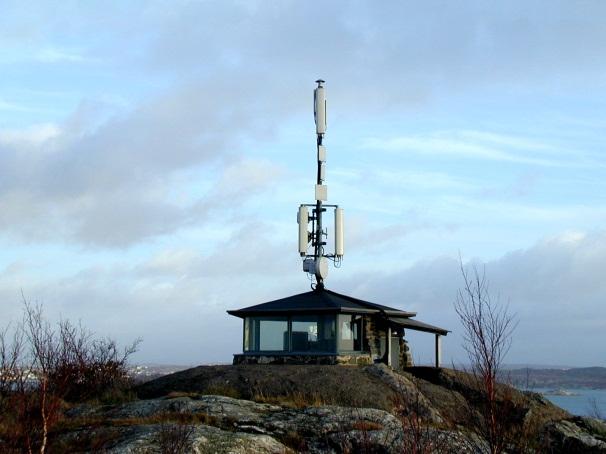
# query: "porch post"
[[438, 350], [389, 345]]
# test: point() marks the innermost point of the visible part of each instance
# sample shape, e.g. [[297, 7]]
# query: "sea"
[[582, 401]]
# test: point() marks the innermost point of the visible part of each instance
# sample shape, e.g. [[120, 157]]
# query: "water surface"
[[582, 403]]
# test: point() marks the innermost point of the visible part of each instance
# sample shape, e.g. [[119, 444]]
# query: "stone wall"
[[353, 359], [405, 354], [374, 331], [375, 338]]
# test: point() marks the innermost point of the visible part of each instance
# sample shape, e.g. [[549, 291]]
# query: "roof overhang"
[[417, 325]]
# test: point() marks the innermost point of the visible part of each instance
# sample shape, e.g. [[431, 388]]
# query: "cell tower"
[[315, 262]]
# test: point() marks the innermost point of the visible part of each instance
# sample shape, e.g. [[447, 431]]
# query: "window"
[[299, 333], [350, 332], [266, 334], [314, 333]]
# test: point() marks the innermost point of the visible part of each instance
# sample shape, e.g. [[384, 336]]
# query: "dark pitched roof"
[[416, 325], [319, 300]]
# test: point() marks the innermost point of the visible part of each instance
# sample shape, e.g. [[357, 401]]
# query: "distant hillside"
[[578, 377]]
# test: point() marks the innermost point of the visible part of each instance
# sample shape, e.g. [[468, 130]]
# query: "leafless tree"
[[488, 327], [41, 366], [419, 437], [10, 353]]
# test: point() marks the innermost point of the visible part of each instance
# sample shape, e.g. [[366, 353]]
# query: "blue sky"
[[153, 155]]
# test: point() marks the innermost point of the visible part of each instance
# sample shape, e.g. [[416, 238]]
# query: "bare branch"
[[488, 327]]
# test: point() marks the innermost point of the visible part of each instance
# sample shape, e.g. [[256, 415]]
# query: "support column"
[[388, 343], [438, 350]]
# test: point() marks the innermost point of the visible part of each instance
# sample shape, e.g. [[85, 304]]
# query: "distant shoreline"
[[555, 378]]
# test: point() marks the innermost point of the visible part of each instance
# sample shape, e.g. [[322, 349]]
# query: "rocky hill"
[[321, 409]]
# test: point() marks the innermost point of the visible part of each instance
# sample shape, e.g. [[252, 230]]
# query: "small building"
[[325, 327]]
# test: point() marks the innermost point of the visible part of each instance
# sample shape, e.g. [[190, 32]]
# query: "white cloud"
[[56, 55], [483, 146], [555, 288], [176, 299], [113, 184], [31, 135]]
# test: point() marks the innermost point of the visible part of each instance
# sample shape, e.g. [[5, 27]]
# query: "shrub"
[[175, 438], [43, 366]]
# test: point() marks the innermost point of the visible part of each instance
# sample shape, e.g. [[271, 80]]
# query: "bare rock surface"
[[306, 413], [201, 439], [407, 388], [577, 435], [317, 429], [220, 407]]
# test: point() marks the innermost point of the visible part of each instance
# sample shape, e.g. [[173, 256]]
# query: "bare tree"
[[419, 435], [487, 334], [45, 358], [42, 366], [10, 353]]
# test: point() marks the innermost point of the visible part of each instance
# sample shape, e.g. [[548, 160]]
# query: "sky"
[[153, 156]]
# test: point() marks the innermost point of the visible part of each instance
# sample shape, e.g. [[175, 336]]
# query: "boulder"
[[576, 435]]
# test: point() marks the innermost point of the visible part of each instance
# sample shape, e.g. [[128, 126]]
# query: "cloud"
[[32, 135], [475, 145], [55, 55], [393, 55], [114, 183], [174, 298], [555, 288]]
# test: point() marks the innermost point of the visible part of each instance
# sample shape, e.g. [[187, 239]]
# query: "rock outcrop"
[[224, 424], [270, 409], [577, 435]]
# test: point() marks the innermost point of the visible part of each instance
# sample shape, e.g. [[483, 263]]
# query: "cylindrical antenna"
[[320, 107], [303, 220], [339, 244]]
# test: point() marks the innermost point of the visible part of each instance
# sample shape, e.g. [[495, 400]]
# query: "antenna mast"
[[316, 263]]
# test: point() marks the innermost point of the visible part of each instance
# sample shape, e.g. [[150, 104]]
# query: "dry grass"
[[175, 438], [294, 440], [293, 400], [90, 423], [221, 389], [177, 394], [349, 386], [366, 426]]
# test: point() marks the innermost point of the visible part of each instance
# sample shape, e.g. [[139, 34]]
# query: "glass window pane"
[[266, 334], [247, 333], [273, 335], [350, 329], [313, 333]]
